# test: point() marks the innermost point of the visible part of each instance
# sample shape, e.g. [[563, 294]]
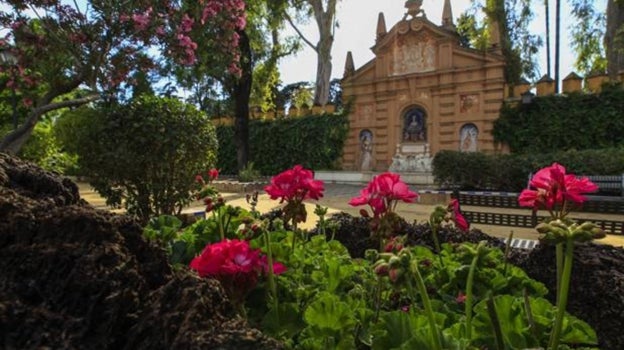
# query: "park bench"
[[609, 183], [613, 205]]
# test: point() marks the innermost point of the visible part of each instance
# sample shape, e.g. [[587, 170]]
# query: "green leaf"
[[328, 314]]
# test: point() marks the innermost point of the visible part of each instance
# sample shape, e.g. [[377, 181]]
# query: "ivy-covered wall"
[[315, 141], [559, 123]]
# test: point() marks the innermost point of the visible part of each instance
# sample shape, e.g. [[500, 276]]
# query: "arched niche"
[[414, 125]]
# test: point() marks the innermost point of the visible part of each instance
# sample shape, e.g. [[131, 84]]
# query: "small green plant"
[[248, 173]]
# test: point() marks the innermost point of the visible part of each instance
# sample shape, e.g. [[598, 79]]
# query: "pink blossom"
[[296, 184], [141, 20], [461, 298], [187, 24], [235, 264], [213, 174], [383, 192], [457, 217], [553, 187]]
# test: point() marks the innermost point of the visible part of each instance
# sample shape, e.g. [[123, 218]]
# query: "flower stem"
[[559, 263], [562, 299], [426, 303], [271, 275], [294, 231], [378, 298], [498, 333], [469, 294]]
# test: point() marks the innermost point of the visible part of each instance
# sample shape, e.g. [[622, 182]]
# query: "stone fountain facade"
[[422, 93]]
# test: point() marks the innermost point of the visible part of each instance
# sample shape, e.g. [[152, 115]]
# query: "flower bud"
[[364, 213], [394, 261], [207, 200], [598, 233], [395, 274], [382, 269], [543, 228], [209, 207], [371, 254]]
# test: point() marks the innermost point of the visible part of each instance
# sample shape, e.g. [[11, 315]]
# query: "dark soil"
[[596, 289], [597, 286], [72, 277], [355, 234]]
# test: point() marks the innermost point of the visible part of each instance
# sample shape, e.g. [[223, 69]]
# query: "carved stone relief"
[[414, 55], [468, 103]]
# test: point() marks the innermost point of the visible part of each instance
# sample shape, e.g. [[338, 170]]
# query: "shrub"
[[44, 149], [143, 154], [509, 172], [315, 142]]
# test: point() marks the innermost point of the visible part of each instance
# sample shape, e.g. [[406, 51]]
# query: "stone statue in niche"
[[366, 146], [414, 127], [468, 138]]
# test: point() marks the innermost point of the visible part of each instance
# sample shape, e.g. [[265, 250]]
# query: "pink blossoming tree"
[[65, 46]]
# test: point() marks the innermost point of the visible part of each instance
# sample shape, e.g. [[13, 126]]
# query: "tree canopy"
[[98, 45]]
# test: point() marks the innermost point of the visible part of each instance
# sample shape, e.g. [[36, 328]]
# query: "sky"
[[357, 21]]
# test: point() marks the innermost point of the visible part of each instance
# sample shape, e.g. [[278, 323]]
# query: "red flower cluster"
[[553, 187], [235, 264], [383, 192], [295, 185], [213, 174], [457, 217]]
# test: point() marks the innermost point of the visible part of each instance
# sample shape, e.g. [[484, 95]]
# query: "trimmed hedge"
[[576, 121], [509, 172], [315, 142]]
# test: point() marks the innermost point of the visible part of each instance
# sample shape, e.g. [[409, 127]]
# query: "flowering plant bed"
[[378, 282]]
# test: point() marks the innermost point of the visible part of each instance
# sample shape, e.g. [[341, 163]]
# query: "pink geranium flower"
[[383, 193], [457, 217], [213, 174], [553, 187], [235, 264], [295, 184]]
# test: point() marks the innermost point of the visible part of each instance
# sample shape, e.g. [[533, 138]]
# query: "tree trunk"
[[546, 5], [614, 43], [323, 72], [242, 93], [325, 20], [13, 142], [557, 42]]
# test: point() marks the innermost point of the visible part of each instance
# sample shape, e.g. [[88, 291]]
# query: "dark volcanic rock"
[[596, 288], [72, 277]]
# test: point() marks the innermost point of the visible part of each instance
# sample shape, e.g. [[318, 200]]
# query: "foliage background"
[[315, 142], [510, 172], [577, 121]]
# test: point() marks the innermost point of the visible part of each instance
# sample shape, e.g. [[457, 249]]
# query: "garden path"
[[336, 197]]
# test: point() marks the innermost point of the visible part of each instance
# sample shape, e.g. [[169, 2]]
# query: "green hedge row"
[[316, 142], [509, 172], [577, 121]]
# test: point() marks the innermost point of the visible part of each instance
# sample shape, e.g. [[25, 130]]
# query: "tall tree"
[[557, 42], [258, 43], [588, 32], [547, 15], [63, 45], [614, 40], [517, 43], [324, 13]]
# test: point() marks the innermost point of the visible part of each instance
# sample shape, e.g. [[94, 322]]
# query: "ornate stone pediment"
[[412, 46], [415, 53]]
